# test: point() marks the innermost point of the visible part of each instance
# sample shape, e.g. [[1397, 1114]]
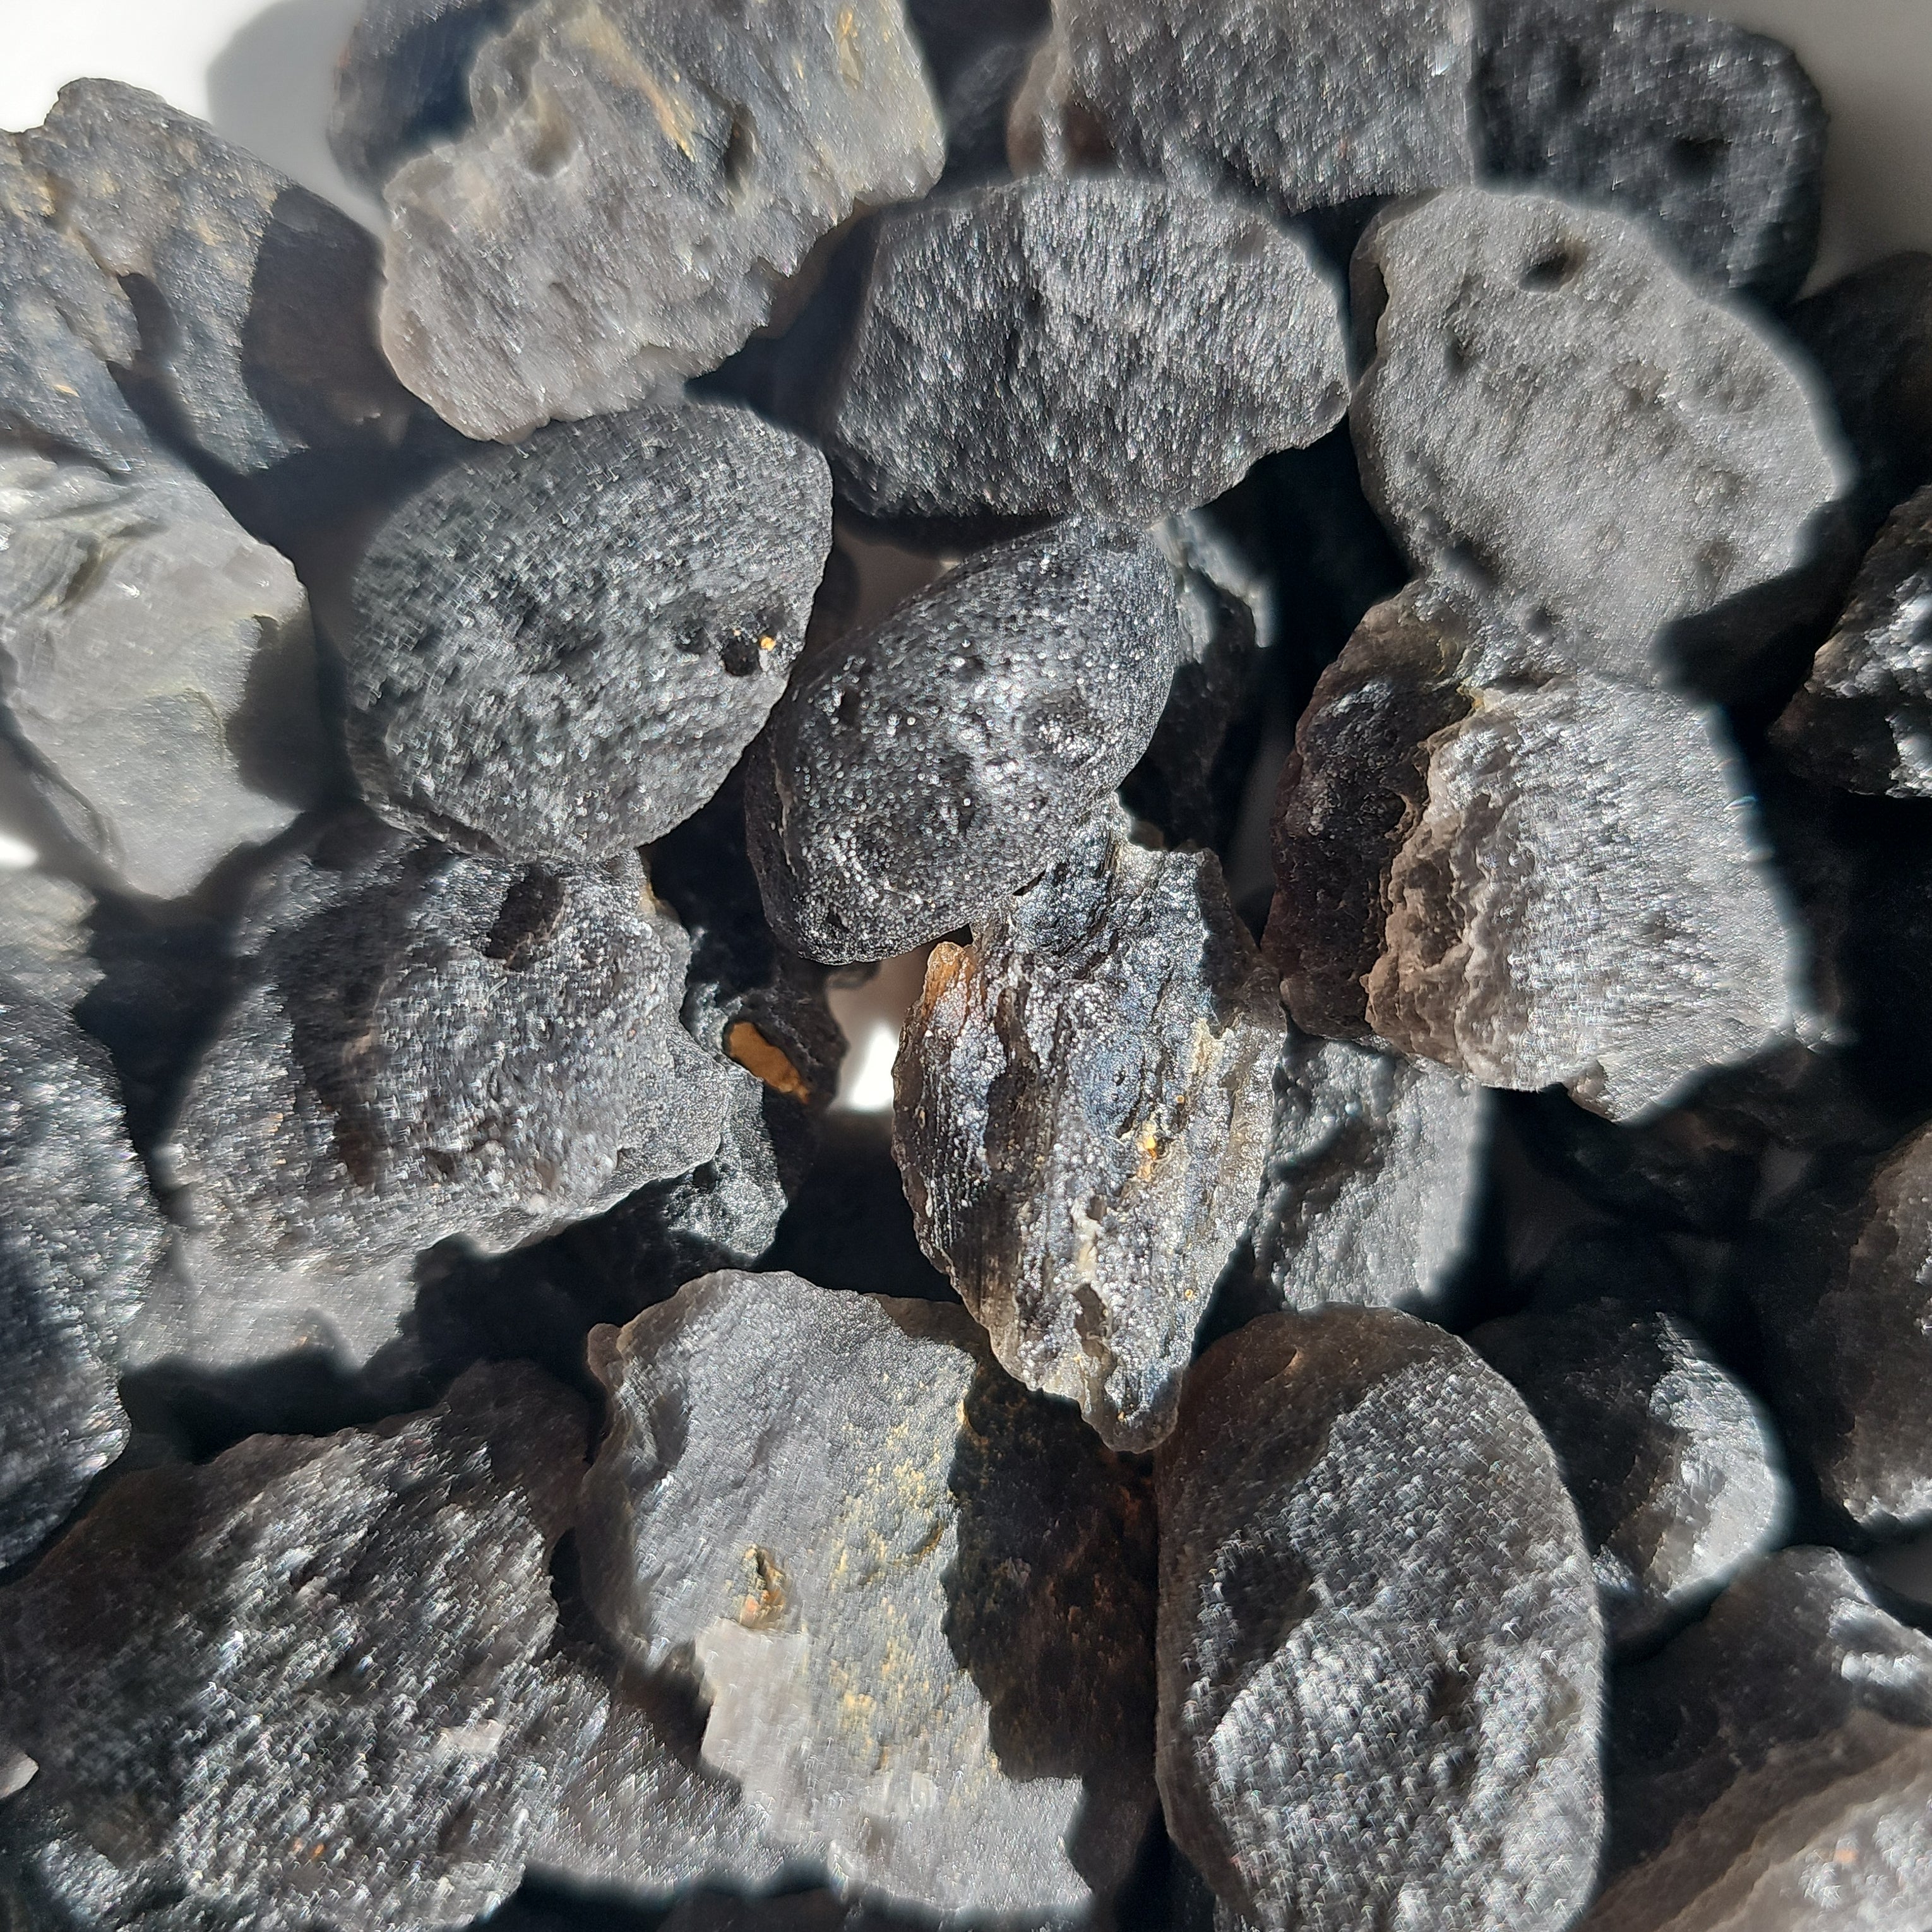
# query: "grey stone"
[[1381, 1659], [157, 670], [1772, 1768], [1084, 1099], [1026, 350], [917, 1600], [1673, 1468], [562, 648], [632, 191], [1551, 402], [1533, 875], [1711, 136], [44, 937], [80, 1237], [1864, 719], [919, 771]]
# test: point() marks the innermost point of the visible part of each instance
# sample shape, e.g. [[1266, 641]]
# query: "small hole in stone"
[[741, 153], [528, 916], [1698, 159], [1554, 268], [1458, 358]]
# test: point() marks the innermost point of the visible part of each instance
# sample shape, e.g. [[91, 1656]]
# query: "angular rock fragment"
[[44, 938], [308, 1683], [631, 191], [80, 1237], [1672, 1466], [562, 648], [1864, 719], [1083, 1096], [918, 772], [1535, 875], [157, 669], [1711, 136], [1550, 401], [1773, 1767], [1027, 350], [1380, 1655], [1302, 106], [917, 1600]]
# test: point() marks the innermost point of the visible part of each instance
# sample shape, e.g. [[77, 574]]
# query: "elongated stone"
[[1083, 1098], [1381, 1660]]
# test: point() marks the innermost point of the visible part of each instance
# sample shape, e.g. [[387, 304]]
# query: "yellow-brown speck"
[[756, 1055]]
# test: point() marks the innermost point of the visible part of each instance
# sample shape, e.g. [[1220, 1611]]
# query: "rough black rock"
[[1772, 1768], [1381, 1658], [1672, 1466], [1712, 136], [1024, 351], [44, 937], [1084, 1101], [562, 648], [1533, 875], [80, 1237], [918, 1600], [918, 773], [631, 191]]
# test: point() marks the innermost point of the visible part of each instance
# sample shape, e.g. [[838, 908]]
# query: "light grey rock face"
[[562, 648], [235, 1709], [1381, 1659], [157, 669], [1374, 1172], [1713, 136], [1772, 1769], [917, 1599], [1303, 103], [918, 773], [1672, 1466], [1084, 1097], [1028, 350], [257, 340], [1535, 875], [1864, 719], [633, 188], [1551, 401], [1843, 1292], [43, 938], [80, 1237]]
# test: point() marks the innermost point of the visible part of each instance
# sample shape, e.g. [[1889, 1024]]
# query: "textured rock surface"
[[44, 938], [1083, 1105], [1550, 401], [1712, 137], [562, 647], [157, 669], [1533, 875], [1027, 350], [234, 1707], [1864, 719], [1772, 1768], [918, 772], [1380, 1653], [80, 1238], [918, 1600], [632, 190], [1672, 1466], [1304, 106]]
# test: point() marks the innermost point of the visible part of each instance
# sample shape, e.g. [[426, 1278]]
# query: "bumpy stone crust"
[[1771, 1771], [1550, 399], [562, 648], [305, 1683], [918, 773], [1533, 874], [1084, 1097], [1864, 719], [80, 1239], [1713, 135], [1671, 1464], [1030, 349], [1380, 1655], [1303, 103], [633, 187], [157, 669], [918, 1600]]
